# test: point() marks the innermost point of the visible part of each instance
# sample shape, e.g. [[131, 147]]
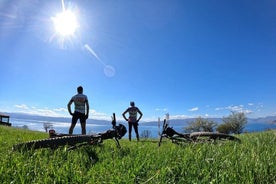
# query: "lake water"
[[153, 129], [63, 127]]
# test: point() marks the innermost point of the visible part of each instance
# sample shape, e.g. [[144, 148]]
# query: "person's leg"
[[83, 124], [135, 126], [73, 123], [129, 130]]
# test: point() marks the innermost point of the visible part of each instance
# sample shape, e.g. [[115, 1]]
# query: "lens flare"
[[109, 70]]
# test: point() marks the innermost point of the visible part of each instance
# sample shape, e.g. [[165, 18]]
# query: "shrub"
[[201, 124], [234, 123], [145, 134]]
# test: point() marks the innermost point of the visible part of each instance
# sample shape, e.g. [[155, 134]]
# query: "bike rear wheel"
[[212, 136], [55, 142]]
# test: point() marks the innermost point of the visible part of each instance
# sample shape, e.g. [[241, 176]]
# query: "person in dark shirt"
[[132, 119]]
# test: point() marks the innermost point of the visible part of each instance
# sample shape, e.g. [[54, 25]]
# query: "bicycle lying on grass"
[[180, 138], [57, 140]]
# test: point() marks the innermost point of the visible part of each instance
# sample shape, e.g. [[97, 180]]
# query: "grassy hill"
[[252, 161]]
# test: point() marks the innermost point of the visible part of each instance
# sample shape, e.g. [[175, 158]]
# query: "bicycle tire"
[[54, 142], [213, 136]]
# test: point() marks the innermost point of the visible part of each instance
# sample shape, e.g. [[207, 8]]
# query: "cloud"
[[161, 109], [247, 111], [99, 115], [46, 112], [194, 109], [57, 112], [22, 106], [259, 107], [235, 108], [219, 108], [180, 116], [60, 110]]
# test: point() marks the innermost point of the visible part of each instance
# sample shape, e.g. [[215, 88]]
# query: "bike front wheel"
[[212, 136], [54, 142]]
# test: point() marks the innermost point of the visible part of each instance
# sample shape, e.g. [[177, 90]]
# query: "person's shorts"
[[80, 116]]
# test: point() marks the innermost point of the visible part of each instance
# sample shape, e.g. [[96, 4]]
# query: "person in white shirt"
[[81, 111]]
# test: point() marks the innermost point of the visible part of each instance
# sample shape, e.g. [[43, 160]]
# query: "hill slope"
[[252, 161]]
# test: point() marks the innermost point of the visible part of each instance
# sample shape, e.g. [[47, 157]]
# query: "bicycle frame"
[[56, 140], [177, 137]]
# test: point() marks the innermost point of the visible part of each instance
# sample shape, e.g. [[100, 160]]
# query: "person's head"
[[80, 90], [132, 104]]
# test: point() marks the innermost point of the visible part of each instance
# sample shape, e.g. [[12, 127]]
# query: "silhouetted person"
[[132, 119], [81, 111]]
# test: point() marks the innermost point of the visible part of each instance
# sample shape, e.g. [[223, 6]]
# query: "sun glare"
[[65, 23]]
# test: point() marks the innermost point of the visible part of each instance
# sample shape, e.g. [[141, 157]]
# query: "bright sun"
[[65, 23]]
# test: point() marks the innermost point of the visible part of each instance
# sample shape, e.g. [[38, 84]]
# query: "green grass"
[[252, 161]]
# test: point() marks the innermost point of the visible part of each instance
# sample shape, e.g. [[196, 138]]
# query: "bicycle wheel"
[[207, 136], [54, 142]]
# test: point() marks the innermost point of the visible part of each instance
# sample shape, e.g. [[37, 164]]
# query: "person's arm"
[[140, 114], [87, 108], [69, 107], [124, 114]]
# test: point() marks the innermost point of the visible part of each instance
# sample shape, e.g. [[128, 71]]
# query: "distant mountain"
[[268, 120]]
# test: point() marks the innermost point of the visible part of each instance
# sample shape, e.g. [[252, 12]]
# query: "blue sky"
[[186, 58]]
